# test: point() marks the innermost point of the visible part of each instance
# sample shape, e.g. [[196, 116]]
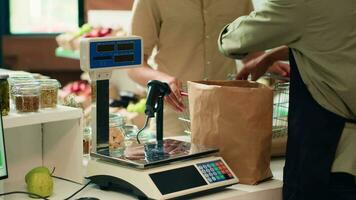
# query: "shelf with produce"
[[60, 52]]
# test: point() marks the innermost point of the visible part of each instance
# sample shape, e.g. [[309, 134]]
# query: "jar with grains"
[[4, 95], [87, 141], [18, 79], [49, 93], [27, 96], [116, 132]]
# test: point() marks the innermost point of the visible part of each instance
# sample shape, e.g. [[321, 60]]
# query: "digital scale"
[[161, 169]]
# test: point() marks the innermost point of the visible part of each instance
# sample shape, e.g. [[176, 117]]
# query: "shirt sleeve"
[[279, 22], [146, 23]]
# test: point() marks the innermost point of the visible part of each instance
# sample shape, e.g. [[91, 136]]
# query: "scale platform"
[[166, 170], [153, 154]]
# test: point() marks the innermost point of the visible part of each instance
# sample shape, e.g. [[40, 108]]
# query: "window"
[[43, 16]]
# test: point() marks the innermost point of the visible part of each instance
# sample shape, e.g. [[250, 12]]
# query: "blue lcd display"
[[107, 54]]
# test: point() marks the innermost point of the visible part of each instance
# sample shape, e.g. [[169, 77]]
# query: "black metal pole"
[[159, 119], [102, 113]]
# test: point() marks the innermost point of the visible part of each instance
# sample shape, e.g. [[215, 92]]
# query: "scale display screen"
[[126, 46], [115, 53], [3, 163], [124, 58], [105, 47], [174, 180]]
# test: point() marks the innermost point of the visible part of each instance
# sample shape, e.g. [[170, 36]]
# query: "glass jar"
[[116, 132], [130, 134], [87, 141], [4, 95], [27, 96], [18, 79], [49, 93]]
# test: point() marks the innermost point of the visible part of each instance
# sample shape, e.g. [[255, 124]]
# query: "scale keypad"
[[215, 171]]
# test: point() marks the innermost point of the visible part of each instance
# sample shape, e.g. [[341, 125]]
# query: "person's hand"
[[256, 68], [280, 68], [174, 99], [259, 66]]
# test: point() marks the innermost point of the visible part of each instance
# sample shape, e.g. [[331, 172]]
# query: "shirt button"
[[208, 63], [207, 36]]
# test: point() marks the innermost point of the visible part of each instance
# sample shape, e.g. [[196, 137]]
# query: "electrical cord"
[[22, 192], [139, 132], [75, 193], [41, 197]]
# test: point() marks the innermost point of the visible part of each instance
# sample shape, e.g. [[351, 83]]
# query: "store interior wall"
[[36, 53]]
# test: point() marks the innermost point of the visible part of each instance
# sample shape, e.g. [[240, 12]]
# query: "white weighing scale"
[[163, 169]]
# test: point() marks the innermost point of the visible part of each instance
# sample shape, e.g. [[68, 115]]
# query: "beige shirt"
[[185, 33], [322, 35]]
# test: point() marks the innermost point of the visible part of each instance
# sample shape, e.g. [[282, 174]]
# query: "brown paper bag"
[[236, 117]]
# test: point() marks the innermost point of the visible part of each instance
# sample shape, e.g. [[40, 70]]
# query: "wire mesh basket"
[[185, 115], [280, 109]]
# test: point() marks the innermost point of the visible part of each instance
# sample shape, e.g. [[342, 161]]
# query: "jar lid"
[[4, 76], [87, 130], [14, 80], [29, 88], [49, 82], [21, 75]]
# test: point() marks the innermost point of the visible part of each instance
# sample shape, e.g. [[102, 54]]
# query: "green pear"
[[37, 170], [131, 107], [40, 183], [140, 107]]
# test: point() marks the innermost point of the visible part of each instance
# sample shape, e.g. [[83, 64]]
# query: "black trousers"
[[313, 136]]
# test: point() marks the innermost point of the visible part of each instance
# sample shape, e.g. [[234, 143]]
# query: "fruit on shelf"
[[98, 32], [138, 107]]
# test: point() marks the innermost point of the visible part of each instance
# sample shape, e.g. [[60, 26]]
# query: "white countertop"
[[269, 190]]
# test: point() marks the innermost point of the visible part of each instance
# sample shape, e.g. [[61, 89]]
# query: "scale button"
[[209, 179], [222, 177], [214, 179], [210, 174], [215, 173]]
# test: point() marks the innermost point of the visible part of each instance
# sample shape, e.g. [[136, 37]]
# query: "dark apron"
[[313, 136]]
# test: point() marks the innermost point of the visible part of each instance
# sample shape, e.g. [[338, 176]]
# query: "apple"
[[104, 32]]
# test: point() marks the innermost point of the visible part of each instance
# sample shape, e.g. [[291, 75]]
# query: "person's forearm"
[[252, 56], [279, 53]]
